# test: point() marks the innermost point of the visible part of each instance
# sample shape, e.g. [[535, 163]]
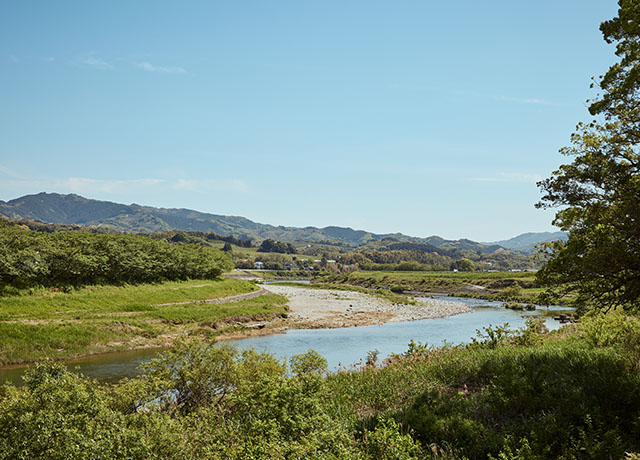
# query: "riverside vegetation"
[[65, 294], [508, 395]]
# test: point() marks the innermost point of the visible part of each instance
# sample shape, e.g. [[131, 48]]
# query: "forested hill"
[[527, 241], [75, 209]]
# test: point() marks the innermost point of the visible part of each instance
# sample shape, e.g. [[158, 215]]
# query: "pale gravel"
[[349, 307]]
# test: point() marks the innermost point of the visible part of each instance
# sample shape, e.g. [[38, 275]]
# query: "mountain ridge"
[[526, 242], [135, 218]]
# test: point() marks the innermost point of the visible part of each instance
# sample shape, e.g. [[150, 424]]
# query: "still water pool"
[[342, 346]]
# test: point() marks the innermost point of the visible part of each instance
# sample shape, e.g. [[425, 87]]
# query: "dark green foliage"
[[64, 259], [201, 238], [51, 228], [270, 245], [463, 265], [599, 192], [559, 399], [386, 259]]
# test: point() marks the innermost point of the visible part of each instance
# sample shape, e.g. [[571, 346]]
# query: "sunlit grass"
[[52, 324]]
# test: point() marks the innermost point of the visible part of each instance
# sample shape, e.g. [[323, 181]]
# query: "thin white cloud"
[[96, 63], [13, 181], [8, 172], [528, 100], [497, 97], [89, 185], [194, 185], [50, 59], [510, 177], [149, 67], [14, 58]]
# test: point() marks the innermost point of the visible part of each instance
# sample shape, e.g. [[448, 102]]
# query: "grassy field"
[[51, 324], [516, 286], [500, 286]]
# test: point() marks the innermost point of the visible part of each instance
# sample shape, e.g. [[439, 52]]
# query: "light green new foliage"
[[58, 415], [387, 442]]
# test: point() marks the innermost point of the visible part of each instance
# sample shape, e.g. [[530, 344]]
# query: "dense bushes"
[[559, 400], [195, 402], [29, 258], [572, 398], [526, 397]]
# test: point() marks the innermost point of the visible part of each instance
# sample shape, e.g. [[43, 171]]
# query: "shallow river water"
[[343, 346]]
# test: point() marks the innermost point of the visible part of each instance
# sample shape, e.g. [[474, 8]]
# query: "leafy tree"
[[463, 265], [599, 192], [270, 245]]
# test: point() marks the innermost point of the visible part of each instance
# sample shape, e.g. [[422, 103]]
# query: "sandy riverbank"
[[334, 308], [309, 308]]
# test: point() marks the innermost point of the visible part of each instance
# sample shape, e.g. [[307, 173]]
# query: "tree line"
[[70, 259], [190, 236]]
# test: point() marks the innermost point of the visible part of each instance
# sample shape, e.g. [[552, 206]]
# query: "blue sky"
[[418, 117]]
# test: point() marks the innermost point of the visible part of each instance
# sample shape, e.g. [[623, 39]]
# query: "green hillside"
[[75, 209]]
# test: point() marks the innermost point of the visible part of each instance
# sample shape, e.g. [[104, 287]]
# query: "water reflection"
[[339, 346]]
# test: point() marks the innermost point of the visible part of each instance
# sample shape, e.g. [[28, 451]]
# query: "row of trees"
[[29, 259], [195, 237]]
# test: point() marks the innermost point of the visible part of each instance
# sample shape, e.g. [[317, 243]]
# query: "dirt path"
[[219, 300]]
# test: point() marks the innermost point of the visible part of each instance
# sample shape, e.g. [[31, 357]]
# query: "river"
[[343, 346]]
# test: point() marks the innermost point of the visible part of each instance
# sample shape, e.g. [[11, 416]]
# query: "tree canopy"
[[64, 259], [270, 245], [599, 192]]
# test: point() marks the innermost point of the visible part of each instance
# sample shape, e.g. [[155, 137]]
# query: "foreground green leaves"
[[574, 395]]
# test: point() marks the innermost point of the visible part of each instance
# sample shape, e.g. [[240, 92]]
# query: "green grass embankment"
[[52, 324]]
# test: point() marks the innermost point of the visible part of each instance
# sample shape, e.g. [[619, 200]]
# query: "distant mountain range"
[[75, 209], [527, 241]]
